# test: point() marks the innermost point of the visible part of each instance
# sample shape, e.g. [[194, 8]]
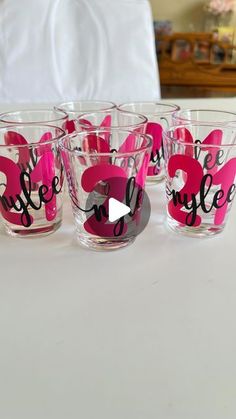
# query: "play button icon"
[[116, 210]]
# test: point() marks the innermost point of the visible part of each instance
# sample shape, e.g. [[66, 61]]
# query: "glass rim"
[[149, 102], [71, 111], [219, 111], [121, 127], [166, 134], [34, 144], [63, 147], [63, 117]]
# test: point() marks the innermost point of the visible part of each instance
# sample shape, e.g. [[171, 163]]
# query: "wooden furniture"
[[197, 61]]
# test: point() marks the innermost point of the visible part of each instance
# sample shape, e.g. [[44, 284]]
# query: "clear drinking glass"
[[31, 179], [211, 116], [113, 118], [76, 108], [31, 116], [200, 177], [159, 116], [99, 165]]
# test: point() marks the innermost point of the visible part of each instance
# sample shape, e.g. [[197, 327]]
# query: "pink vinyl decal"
[[226, 178], [142, 172], [198, 193], [98, 222], [126, 161], [133, 160], [47, 136], [45, 171], [129, 144], [139, 185], [213, 138], [183, 134], [210, 154], [14, 138], [155, 131], [106, 123], [194, 173], [69, 126], [11, 199], [34, 171], [87, 124], [94, 144], [48, 164]]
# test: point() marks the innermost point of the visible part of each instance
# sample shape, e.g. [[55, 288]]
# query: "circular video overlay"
[[117, 207]]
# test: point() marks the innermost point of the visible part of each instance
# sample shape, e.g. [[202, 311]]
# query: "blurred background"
[[196, 47]]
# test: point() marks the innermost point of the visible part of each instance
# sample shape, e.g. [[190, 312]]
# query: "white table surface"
[[146, 332]]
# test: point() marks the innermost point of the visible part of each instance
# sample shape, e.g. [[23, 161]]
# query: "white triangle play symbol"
[[116, 210]]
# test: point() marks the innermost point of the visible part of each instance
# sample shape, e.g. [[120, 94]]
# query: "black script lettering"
[[4, 203], [191, 216], [204, 192], [43, 190], [219, 155], [231, 193], [207, 160], [190, 201], [209, 157], [218, 195], [119, 227], [176, 196], [186, 202], [25, 179], [99, 212], [55, 183], [27, 165], [129, 196], [156, 157], [197, 150], [126, 162], [19, 204], [11, 203]]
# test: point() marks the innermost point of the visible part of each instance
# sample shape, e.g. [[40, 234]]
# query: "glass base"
[[150, 180], [17, 231], [103, 244], [204, 230]]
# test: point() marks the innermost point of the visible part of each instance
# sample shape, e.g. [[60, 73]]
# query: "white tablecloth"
[[145, 332]]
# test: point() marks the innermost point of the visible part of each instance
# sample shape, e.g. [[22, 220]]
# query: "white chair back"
[[58, 50]]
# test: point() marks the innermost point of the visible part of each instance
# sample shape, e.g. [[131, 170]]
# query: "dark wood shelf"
[[197, 61]]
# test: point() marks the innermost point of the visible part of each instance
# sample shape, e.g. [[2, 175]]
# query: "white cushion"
[[56, 50]]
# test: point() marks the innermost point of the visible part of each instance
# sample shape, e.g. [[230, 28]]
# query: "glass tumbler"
[[113, 118], [31, 179], [52, 117], [76, 108], [206, 116], [159, 116], [100, 165], [200, 177]]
